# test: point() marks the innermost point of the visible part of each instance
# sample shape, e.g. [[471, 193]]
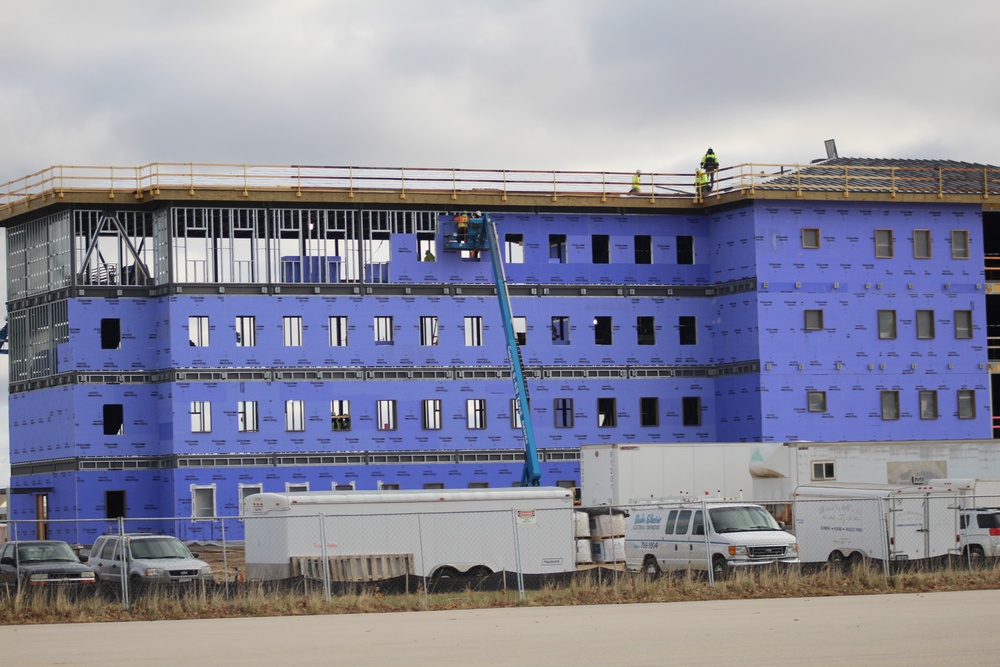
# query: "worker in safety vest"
[[702, 186], [710, 164], [462, 225], [635, 183]]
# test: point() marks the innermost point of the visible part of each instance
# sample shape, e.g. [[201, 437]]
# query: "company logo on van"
[[648, 519]]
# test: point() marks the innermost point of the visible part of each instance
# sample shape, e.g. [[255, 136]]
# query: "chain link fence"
[[500, 550]]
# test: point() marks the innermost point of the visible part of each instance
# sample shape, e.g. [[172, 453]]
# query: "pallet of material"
[[368, 567]]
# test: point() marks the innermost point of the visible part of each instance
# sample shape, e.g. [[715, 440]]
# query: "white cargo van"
[[671, 537]]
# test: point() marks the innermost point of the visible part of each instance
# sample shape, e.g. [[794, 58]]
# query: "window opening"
[[295, 415], [473, 331], [560, 330], [601, 248], [383, 330], [111, 333], [687, 327], [475, 413], [685, 250], [429, 330], [338, 330], [246, 331], [291, 327], [691, 410], [563, 409], [340, 415], [514, 248], [649, 411], [246, 414], [557, 248], [602, 330], [198, 330], [114, 419], [432, 414], [645, 330], [607, 413], [386, 414], [643, 249]]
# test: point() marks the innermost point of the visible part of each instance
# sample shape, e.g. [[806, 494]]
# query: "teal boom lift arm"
[[480, 235]]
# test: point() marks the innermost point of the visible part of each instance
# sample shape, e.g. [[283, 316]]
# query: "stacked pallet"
[[583, 552], [369, 567], [607, 537]]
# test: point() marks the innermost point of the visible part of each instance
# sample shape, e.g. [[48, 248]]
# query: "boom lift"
[[475, 234]]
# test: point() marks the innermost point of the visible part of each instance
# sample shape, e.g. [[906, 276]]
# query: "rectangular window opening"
[[814, 320], [691, 410], [513, 248], [198, 327], [560, 330], [687, 328], [649, 411], [386, 415], [432, 414], [557, 249], [246, 413], [810, 237], [602, 330], [887, 324], [884, 244], [340, 415], [475, 411], [473, 331], [921, 243], [291, 330], [246, 331], [383, 330], [645, 330], [201, 416], [429, 330], [600, 249], [928, 405], [816, 401], [959, 244], [111, 333], [607, 412], [114, 419], [890, 405], [295, 416], [338, 330], [643, 249], [563, 409], [685, 250]]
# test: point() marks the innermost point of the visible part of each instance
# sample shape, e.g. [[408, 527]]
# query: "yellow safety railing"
[[746, 179]]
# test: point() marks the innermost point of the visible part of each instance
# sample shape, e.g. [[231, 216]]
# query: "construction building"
[[184, 335]]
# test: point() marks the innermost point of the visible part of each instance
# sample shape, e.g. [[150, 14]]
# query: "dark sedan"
[[43, 563]]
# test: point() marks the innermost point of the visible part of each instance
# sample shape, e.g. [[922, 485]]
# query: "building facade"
[[174, 349]]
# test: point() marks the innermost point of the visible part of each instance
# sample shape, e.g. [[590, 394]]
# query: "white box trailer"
[[619, 474], [972, 491], [777, 468], [856, 522], [439, 532]]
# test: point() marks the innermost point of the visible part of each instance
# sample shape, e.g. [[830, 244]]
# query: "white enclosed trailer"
[[972, 491], [619, 474], [438, 532], [855, 522], [778, 468]]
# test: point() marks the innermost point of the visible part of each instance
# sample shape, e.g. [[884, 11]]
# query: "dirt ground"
[[227, 567]]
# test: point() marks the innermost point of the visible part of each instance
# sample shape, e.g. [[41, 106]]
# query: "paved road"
[[912, 630]]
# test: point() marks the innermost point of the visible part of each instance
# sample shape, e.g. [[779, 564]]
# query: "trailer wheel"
[[974, 554], [857, 561], [837, 561], [650, 566], [720, 568]]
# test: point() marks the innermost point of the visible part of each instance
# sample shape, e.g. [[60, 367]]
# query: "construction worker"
[[710, 164], [462, 225], [702, 186], [635, 183], [429, 256]]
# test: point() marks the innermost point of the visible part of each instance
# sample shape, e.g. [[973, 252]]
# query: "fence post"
[[324, 556], [708, 542], [225, 557], [122, 546], [517, 555], [424, 576], [885, 535]]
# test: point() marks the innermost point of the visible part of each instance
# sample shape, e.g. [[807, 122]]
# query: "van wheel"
[[651, 567], [720, 568]]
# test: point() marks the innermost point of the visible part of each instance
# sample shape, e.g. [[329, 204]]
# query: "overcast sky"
[[516, 84]]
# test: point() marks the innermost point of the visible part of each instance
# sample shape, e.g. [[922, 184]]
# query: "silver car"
[[146, 559]]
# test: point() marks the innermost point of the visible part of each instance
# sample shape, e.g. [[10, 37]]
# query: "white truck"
[[368, 535], [848, 524], [672, 537], [619, 474]]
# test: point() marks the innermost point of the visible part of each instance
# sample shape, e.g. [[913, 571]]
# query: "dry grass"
[[613, 588]]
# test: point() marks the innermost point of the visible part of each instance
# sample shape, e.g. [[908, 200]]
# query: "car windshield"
[[736, 519], [159, 547], [45, 551]]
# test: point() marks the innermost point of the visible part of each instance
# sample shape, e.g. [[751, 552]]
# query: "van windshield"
[[739, 519]]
